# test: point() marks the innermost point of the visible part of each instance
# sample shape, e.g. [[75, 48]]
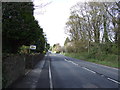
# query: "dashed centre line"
[[93, 71], [88, 70], [71, 62], [113, 80]]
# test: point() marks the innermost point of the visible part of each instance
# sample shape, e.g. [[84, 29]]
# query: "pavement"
[[59, 71]]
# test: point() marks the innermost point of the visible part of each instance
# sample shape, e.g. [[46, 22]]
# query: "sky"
[[52, 18]]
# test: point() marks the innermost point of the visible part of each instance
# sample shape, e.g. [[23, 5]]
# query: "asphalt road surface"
[[58, 71]]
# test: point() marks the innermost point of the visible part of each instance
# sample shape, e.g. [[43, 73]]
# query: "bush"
[[24, 49]]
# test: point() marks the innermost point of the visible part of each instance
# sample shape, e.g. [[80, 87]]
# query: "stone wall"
[[14, 66], [32, 60]]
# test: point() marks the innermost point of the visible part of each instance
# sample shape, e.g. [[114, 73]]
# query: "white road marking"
[[71, 62], [65, 59], [75, 64], [82, 67], [114, 80], [27, 72], [95, 72], [68, 61], [88, 69], [50, 77]]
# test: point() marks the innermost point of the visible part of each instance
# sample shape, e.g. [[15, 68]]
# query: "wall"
[[12, 68], [15, 66], [32, 60]]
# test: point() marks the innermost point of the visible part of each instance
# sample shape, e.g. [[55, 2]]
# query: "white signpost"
[[32, 47]]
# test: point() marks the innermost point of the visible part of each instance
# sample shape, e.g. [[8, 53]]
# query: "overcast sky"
[[54, 18]]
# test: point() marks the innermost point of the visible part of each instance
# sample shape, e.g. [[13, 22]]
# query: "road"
[[58, 71]]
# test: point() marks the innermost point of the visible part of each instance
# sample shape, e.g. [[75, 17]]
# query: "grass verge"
[[108, 60]]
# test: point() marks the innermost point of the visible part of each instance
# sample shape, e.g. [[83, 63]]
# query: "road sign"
[[33, 47]]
